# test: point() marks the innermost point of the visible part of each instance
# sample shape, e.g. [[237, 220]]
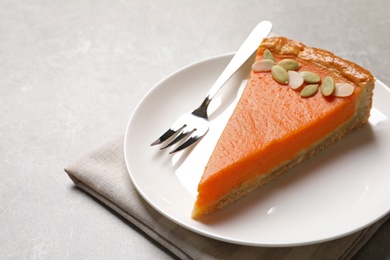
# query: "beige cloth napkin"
[[103, 174]]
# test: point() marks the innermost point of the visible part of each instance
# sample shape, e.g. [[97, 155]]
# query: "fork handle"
[[246, 50]]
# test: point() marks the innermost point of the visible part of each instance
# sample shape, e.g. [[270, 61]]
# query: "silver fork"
[[194, 124]]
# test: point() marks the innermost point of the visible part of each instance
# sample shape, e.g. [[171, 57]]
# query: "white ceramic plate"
[[338, 192]]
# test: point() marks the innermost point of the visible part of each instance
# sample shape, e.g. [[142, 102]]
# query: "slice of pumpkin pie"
[[298, 101]]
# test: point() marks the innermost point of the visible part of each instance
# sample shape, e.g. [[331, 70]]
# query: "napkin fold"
[[103, 174]]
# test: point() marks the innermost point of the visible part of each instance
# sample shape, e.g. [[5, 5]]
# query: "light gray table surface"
[[72, 72]]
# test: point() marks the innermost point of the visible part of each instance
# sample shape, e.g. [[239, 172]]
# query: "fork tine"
[[178, 138], [189, 142], [170, 132]]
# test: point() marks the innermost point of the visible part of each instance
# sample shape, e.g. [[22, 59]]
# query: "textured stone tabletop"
[[72, 72]]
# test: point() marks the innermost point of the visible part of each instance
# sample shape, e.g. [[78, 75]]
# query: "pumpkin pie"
[[276, 124]]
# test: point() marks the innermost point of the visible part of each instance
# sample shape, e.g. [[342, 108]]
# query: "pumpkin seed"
[[295, 80], [267, 55], [327, 86], [289, 64], [310, 77], [309, 90], [343, 89], [263, 65], [279, 74]]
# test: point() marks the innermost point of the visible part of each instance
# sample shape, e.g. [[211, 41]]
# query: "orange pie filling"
[[273, 125]]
